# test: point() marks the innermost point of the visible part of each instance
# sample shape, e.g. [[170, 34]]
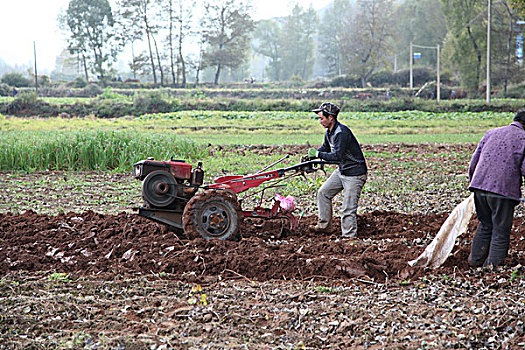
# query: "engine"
[[168, 184]]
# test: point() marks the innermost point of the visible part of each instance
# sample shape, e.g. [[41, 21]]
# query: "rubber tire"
[[161, 201], [198, 212]]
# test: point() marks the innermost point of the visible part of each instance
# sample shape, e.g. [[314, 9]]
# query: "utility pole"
[[488, 50], [438, 92], [133, 60], [36, 74], [411, 76], [395, 64]]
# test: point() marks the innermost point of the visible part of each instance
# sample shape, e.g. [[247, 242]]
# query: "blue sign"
[[417, 55]]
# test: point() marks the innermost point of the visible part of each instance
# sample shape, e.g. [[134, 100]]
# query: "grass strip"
[[89, 150]]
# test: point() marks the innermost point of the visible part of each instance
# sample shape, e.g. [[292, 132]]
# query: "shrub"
[[110, 109], [516, 91], [15, 79], [79, 83], [446, 77], [346, 81], [5, 90], [44, 80], [382, 78], [92, 90], [151, 102], [26, 100], [419, 76], [296, 80]]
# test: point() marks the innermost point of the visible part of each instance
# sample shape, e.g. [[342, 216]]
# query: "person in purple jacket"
[[495, 172]]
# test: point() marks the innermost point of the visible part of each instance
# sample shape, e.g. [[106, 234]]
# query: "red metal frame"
[[241, 183]]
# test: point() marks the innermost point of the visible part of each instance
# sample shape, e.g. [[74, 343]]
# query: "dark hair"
[[520, 117], [326, 115]]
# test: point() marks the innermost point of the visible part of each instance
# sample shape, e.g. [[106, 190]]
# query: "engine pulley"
[[159, 189]]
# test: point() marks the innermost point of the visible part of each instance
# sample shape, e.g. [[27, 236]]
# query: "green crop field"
[[115, 144], [193, 123]]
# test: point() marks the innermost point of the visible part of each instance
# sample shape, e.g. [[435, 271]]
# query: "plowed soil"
[[92, 243]]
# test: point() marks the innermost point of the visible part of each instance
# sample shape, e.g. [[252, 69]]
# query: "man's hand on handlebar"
[[313, 153]]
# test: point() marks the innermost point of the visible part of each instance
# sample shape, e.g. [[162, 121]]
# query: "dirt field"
[[101, 281], [90, 243]]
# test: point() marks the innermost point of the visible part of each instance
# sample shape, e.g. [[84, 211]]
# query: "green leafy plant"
[[108, 94], [325, 289], [515, 275], [59, 276]]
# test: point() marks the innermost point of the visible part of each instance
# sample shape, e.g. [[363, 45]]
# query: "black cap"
[[327, 108]]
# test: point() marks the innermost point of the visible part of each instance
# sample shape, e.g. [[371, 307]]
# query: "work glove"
[[313, 153]]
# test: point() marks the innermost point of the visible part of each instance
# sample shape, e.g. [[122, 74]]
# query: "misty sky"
[[23, 22]]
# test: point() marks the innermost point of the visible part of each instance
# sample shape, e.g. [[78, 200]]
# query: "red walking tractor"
[[174, 195]]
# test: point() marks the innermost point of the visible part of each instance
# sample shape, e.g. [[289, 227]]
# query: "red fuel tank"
[[180, 170]]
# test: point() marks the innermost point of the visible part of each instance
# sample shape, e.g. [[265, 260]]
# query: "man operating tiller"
[[339, 145]]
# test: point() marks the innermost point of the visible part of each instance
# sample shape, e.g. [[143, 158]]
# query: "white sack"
[[456, 224]]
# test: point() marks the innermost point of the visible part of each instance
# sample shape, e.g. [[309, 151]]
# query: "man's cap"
[[328, 108]]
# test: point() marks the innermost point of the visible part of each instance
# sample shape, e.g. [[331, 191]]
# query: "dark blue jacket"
[[341, 145]]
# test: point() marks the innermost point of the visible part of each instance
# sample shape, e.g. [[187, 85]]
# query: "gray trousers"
[[491, 241], [352, 186]]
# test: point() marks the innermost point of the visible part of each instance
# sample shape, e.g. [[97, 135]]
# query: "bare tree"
[[226, 28], [199, 64], [267, 43], [466, 36], [368, 37], [180, 25], [508, 44], [170, 40], [332, 36], [137, 21], [297, 43]]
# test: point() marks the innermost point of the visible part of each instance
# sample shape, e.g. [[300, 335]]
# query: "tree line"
[[352, 38]]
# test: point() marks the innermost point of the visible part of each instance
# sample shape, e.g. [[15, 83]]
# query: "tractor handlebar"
[[241, 183], [307, 165]]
